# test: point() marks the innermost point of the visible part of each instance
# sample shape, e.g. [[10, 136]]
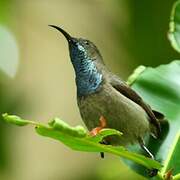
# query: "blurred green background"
[[37, 78]]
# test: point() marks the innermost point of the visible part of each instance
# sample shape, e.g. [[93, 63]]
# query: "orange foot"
[[96, 130]]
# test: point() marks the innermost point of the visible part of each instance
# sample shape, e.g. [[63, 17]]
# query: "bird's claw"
[[96, 130]]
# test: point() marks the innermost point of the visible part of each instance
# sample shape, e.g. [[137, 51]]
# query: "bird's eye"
[[86, 42]]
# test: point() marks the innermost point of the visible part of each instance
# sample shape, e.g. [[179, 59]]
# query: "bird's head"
[[80, 49]]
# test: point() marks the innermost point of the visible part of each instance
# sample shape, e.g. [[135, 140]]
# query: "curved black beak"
[[67, 36]]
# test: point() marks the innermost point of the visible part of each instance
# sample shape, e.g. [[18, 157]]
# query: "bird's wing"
[[126, 90]]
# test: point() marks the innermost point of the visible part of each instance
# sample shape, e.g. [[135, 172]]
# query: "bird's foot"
[[96, 130], [151, 172]]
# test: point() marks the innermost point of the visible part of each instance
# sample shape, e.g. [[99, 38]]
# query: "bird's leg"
[[147, 150], [102, 155], [105, 143], [151, 172], [96, 130]]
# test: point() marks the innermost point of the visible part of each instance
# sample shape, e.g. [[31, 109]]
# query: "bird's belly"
[[120, 113]]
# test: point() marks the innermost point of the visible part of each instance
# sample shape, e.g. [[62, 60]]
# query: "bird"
[[106, 101]]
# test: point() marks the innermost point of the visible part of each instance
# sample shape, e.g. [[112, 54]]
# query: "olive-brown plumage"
[[102, 93]]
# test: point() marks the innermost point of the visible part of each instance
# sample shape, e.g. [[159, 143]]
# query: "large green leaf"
[[78, 139], [174, 26], [160, 87]]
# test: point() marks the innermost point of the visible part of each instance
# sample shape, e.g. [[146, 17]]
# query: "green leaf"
[[15, 120], [174, 27], [105, 132], [78, 139], [58, 124], [160, 87]]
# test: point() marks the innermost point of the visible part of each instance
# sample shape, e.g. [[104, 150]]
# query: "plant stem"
[[159, 176]]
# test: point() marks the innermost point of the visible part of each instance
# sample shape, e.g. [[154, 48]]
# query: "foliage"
[[174, 27], [78, 139], [161, 90], [159, 87]]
